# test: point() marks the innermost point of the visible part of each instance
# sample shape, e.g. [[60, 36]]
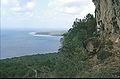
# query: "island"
[[53, 33]]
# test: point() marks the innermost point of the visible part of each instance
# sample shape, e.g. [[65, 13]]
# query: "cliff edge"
[[107, 13], [107, 53]]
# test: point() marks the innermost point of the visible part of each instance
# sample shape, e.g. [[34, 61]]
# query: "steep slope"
[[108, 17], [107, 56], [86, 52], [102, 45]]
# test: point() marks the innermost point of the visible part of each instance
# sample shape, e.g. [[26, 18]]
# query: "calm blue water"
[[20, 43]]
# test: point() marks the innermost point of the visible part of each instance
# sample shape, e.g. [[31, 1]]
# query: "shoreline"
[[46, 33], [55, 52]]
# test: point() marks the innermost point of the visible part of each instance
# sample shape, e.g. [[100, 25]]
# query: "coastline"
[[46, 33], [23, 43], [49, 52], [30, 55]]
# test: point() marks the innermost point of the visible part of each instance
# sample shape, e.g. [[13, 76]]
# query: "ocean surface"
[[20, 43]]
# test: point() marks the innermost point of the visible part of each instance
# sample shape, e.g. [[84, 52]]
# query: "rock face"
[[107, 14]]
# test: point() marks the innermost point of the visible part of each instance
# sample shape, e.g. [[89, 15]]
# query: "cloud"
[[4, 2], [51, 14], [74, 7], [30, 5], [62, 13], [9, 3], [19, 6], [71, 10]]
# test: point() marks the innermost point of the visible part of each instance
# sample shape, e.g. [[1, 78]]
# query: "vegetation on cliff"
[[72, 59], [28, 66]]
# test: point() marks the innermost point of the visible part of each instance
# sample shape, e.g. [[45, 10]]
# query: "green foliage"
[[22, 66], [72, 58], [82, 29], [102, 55], [69, 65], [71, 61]]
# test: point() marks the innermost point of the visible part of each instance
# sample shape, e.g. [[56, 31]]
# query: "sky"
[[43, 14]]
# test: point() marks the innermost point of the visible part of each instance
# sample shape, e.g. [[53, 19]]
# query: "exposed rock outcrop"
[[104, 49], [107, 15]]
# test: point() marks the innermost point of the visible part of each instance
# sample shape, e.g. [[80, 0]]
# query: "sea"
[[16, 43]]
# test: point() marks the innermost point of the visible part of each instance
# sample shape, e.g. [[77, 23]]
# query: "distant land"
[[52, 33]]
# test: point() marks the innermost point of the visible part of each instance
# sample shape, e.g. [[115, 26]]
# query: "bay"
[[20, 43]]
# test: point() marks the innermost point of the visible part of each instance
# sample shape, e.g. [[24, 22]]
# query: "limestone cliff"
[[107, 53], [107, 14], [107, 42]]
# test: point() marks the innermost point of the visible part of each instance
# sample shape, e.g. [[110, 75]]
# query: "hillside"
[[90, 49], [31, 66]]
